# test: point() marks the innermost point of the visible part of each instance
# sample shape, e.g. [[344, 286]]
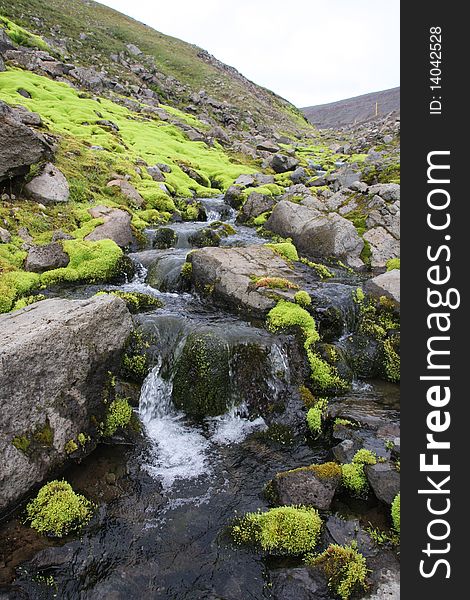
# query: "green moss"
[[135, 363], [307, 397], [57, 510], [287, 315], [136, 301], [328, 470], [289, 530], [396, 513], [364, 457], [118, 416], [82, 439], [27, 301], [344, 422], [393, 263], [285, 249], [391, 362], [71, 446], [22, 443], [276, 433], [275, 283], [354, 479], [44, 435], [344, 567], [302, 298], [261, 219], [324, 377], [187, 270], [14, 284], [320, 269], [315, 416], [366, 253], [22, 36]]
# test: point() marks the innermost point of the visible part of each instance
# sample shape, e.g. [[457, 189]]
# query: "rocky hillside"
[[354, 110]]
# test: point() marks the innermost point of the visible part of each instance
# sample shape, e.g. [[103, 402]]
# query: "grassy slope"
[[108, 32]]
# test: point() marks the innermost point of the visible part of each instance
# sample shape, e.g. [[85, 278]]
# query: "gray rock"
[[44, 258], [156, 173], [262, 179], [304, 487], [267, 146], [49, 187], [23, 92], [227, 274], [127, 190], [244, 180], [54, 360], [387, 217], [20, 147], [343, 177], [299, 175], [2, 64], [255, 205], [219, 134], [316, 234], [384, 481], [5, 236], [195, 136], [300, 583], [388, 191], [23, 115], [163, 167], [233, 196], [344, 532], [88, 78], [281, 163], [134, 50], [108, 124], [383, 246], [116, 226]]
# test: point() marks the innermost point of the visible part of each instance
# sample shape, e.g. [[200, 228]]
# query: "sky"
[[308, 51]]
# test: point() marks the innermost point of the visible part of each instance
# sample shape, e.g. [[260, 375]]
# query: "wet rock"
[[300, 583], [49, 187], [255, 205], [280, 163], [210, 236], [226, 275], [116, 226], [201, 381], [383, 246], [384, 481], [127, 190], [387, 284], [316, 234], [44, 258], [44, 403], [165, 237], [304, 486], [5, 236], [20, 147], [343, 532], [233, 196]]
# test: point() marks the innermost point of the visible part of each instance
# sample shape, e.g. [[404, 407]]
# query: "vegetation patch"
[[288, 530], [136, 301], [302, 298], [57, 510], [315, 416], [396, 513], [285, 249], [276, 283], [118, 416]]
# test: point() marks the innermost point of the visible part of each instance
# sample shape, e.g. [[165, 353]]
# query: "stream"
[[161, 529]]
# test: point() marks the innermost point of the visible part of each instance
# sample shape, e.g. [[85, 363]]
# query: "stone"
[[316, 234], [345, 531], [383, 246], [55, 358], [108, 124], [255, 205], [263, 179], [195, 136], [233, 196], [245, 180], [23, 92], [280, 163], [267, 146], [387, 284], [23, 115], [127, 190], [299, 583], [44, 258], [304, 487], [49, 187], [21, 146], [156, 173], [88, 78], [116, 226], [218, 133], [2, 64], [134, 50], [343, 177], [387, 217], [388, 191], [5, 236], [300, 175], [164, 168], [384, 480], [226, 273]]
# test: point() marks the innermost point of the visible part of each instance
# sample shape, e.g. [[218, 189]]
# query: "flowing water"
[[164, 534]]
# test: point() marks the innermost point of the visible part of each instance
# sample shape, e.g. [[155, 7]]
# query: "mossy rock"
[[201, 385], [165, 237]]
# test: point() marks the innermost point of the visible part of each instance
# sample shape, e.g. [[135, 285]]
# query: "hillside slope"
[[132, 54], [354, 110]]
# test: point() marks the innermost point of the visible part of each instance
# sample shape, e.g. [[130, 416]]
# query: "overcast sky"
[[308, 51]]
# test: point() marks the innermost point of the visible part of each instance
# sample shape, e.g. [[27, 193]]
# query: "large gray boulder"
[[383, 246], [44, 258], [127, 190], [227, 275], [384, 480], [20, 146], [55, 358], [305, 486], [387, 284], [316, 234], [116, 226], [255, 205], [49, 187], [280, 163]]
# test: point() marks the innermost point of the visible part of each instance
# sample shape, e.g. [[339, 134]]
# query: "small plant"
[[57, 510], [285, 249], [393, 263], [354, 479], [396, 513], [344, 422], [302, 298], [288, 530], [275, 283], [344, 567], [186, 270], [315, 416], [364, 457], [71, 446], [119, 415], [320, 269]]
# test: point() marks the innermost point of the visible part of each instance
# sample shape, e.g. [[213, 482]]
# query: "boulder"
[[127, 190], [299, 175], [116, 226], [388, 191], [255, 205], [88, 78], [226, 274], [343, 177], [23, 115], [384, 480], [165, 238], [387, 284], [21, 147], [299, 583], [339, 530], [304, 486], [49, 187], [316, 234], [245, 180], [280, 163], [156, 173], [233, 196], [134, 50], [54, 363], [44, 258], [267, 146], [5, 236], [383, 246]]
